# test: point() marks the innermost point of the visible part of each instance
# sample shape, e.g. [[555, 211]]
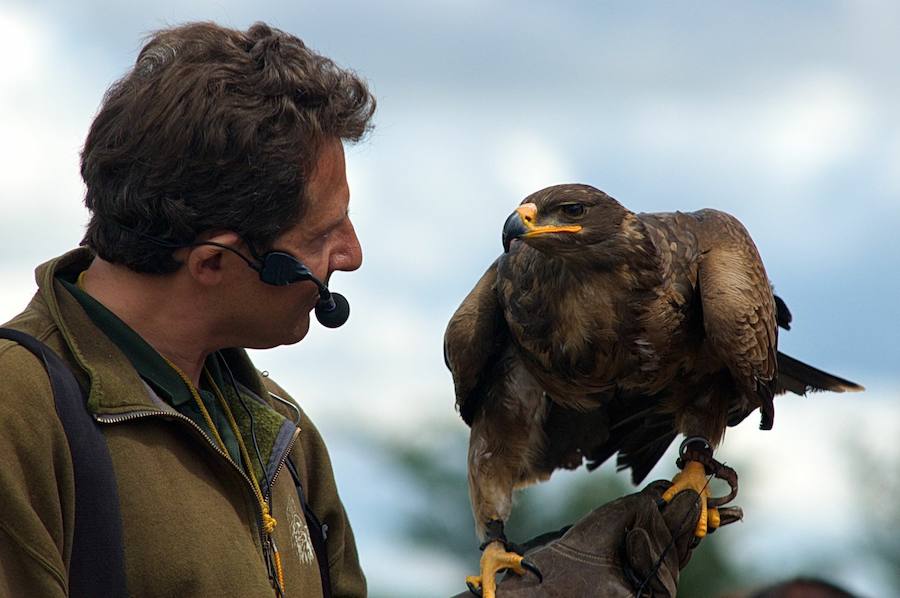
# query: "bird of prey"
[[601, 331]]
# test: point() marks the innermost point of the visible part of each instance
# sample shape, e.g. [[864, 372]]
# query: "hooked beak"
[[521, 224], [513, 228]]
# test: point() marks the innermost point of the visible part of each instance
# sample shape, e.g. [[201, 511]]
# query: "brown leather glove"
[[628, 547]]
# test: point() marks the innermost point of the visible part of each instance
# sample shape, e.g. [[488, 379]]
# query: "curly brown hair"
[[213, 128]]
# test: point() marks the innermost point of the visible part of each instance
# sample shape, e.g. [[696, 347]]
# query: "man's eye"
[[573, 210]]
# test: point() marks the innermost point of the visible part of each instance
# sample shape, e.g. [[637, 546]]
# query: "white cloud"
[[15, 292], [524, 162], [799, 461], [467, 141], [385, 366], [811, 125], [23, 54], [422, 194], [889, 163], [43, 118], [793, 133]]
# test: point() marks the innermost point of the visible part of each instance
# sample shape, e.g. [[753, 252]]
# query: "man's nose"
[[348, 257]]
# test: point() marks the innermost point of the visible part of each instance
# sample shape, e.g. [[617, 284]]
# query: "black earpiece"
[[278, 268]]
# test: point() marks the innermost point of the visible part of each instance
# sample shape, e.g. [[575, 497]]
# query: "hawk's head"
[[565, 219]]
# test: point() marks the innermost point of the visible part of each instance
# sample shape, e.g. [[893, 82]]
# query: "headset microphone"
[[279, 269], [333, 311]]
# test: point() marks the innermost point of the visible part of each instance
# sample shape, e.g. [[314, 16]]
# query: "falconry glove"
[[626, 548]]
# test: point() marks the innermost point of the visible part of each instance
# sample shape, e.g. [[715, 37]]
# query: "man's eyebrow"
[[333, 225]]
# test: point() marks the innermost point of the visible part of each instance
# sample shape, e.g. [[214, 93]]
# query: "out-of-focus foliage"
[[878, 479], [443, 521]]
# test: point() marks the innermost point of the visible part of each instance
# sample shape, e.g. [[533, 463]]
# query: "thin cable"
[[171, 245], [290, 406], [268, 521], [671, 543], [240, 399]]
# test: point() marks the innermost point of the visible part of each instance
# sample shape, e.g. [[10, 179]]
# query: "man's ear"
[[206, 263]]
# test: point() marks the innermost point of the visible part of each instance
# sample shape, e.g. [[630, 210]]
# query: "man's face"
[[324, 241]]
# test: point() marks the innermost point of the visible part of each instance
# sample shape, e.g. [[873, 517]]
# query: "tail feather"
[[637, 433], [641, 453], [799, 378]]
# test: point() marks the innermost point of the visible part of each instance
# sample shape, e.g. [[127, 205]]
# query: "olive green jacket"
[[191, 523]]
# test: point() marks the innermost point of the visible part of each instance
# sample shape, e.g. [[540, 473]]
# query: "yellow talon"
[[474, 582], [693, 477], [494, 559]]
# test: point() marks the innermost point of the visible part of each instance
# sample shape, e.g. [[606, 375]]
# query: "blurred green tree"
[[875, 474], [443, 521]]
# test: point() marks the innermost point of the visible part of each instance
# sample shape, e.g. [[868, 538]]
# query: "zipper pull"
[[273, 560], [273, 566], [279, 570], [267, 557]]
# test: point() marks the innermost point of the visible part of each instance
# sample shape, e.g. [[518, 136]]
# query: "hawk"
[[601, 331]]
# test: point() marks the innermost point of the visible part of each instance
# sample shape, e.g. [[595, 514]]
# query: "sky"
[[784, 115]]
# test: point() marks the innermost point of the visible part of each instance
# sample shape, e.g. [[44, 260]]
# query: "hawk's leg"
[[497, 555], [506, 448], [696, 462], [693, 477]]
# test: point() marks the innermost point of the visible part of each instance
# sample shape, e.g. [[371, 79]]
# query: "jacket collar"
[[115, 386]]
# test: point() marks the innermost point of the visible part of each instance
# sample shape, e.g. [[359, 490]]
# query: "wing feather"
[[473, 342], [739, 308]]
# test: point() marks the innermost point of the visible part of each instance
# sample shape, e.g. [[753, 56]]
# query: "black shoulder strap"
[[98, 561]]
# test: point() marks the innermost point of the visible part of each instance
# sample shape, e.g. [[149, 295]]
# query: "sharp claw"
[[729, 515], [529, 566], [498, 556]]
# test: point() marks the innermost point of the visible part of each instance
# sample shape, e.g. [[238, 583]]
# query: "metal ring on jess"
[[690, 440]]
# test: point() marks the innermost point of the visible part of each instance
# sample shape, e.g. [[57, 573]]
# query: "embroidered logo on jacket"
[[299, 533]]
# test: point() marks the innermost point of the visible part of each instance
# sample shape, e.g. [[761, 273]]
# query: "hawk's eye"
[[572, 210]]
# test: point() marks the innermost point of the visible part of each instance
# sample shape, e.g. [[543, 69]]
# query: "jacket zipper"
[[285, 456], [133, 415], [279, 590]]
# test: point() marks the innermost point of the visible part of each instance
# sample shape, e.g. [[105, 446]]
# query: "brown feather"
[[473, 341], [614, 339]]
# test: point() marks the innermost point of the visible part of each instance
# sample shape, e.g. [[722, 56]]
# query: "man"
[[218, 196], [218, 147]]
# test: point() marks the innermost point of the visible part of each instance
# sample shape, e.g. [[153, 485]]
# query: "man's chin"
[[293, 340], [289, 336], [298, 333]]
